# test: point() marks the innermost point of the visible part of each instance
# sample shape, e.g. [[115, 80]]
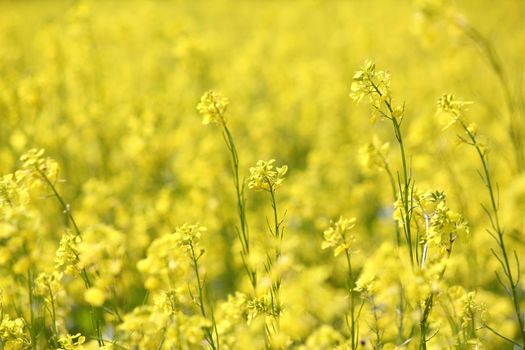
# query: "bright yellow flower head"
[[265, 177], [370, 82], [450, 109], [12, 333], [338, 236], [373, 155], [70, 342], [212, 107]]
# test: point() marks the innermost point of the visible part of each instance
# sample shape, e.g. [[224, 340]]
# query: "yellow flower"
[[38, 168], [366, 283], [188, 234], [12, 333], [337, 236], [67, 254], [373, 155], [264, 177], [48, 283], [212, 107], [69, 342], [450, 109], [370, 82], [165, 263]]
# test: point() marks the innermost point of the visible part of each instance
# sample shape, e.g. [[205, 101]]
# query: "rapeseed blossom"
[[374, 155], [265, 176], [70, 342], [451, 109], [339, 236], [212, 107], [13, 333]]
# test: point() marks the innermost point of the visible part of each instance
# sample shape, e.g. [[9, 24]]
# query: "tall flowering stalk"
[[375, 85], [429, 227], [374, 156], [40, 170], [454, 109], [213, 107], [188, 237], [265, 176], [339, 238], [442, 227]]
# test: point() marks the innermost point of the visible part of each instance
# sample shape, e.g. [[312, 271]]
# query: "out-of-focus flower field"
[[262, 174]]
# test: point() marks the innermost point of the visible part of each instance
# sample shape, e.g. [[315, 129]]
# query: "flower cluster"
[[38, 168], [375, 84], [13, 191], [262, 305], [438, 224], [451, 112], [165, 263], [149, 327], [339, 236], [13, 333], [71, 342], [265, 176], [231, 314], [67, 254], [212, 107], [189, 235], [451, 109], [49, 285], [373, 155], [371, 83]]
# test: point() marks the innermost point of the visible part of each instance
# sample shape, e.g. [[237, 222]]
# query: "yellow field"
[[141, 206]]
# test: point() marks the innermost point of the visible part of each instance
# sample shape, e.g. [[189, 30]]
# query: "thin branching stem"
[[404, 189], [278, 236], [214, 343], [351, 286], [243, 230], [66, 209], [498, 231], [31, 306]]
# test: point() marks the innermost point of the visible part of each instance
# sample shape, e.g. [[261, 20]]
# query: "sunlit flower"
[[265, 176], [212, 107]]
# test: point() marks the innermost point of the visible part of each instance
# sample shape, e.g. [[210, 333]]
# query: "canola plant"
[[262, 175]]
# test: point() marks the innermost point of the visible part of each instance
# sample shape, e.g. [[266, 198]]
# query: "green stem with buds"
[[497, 232], [242, 230]]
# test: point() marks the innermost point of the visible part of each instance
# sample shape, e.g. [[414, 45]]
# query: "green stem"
[[429, 303], [351, 286], [406, 182], [199, 285], [244, 235], [404, 196], [209, 335], [278, 235], [398, 242], [31, 312], [53, 311], [379, 341], [496, 226], [66, 209], [394, 195]]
